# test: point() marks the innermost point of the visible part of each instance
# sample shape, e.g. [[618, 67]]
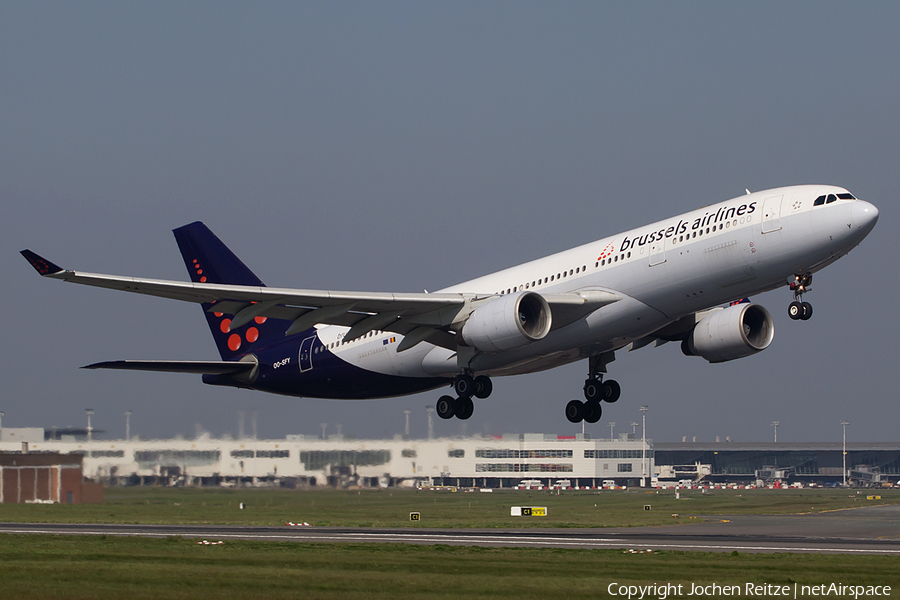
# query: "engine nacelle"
[[734, 332], [508, 322]]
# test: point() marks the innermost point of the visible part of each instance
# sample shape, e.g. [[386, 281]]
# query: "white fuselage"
[[662, 272]]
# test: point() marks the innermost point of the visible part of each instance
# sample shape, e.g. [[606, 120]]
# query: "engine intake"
[[508, 322], [734, 332]]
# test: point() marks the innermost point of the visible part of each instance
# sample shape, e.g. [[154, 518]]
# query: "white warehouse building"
[[297, 461]]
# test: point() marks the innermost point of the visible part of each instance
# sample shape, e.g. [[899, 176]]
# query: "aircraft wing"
[[419, 316]]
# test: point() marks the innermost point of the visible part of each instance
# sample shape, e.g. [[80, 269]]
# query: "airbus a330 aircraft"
[[658, 283]]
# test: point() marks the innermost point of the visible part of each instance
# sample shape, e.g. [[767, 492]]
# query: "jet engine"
[[508, 322], [733, 332]]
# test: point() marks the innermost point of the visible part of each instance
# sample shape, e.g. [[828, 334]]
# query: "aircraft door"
[[771, 216], [305, 358], [657, 252]]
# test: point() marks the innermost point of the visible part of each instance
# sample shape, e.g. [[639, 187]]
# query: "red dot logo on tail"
[[234, 342]]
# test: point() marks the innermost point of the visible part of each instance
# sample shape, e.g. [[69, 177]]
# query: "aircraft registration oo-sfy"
[[684, 279]]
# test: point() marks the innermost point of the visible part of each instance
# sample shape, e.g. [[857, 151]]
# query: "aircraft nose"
[[865, 215]]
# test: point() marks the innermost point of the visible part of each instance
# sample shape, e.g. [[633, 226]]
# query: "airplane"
[[686, 279]]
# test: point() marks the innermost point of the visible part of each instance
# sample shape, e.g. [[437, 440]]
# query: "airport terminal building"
[[297, 461], [804, 462], [477, 461]]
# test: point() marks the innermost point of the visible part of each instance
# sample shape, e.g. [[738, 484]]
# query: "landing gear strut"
[[798, 309], [595, 391], [465, 387]]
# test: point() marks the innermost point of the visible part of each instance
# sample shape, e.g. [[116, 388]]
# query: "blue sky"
[[406, 146]]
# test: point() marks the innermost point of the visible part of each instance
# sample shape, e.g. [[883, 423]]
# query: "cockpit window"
[[823, 199]]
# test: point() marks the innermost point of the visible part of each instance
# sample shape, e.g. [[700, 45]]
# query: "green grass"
[[391, 508], [136, 568], [114, 567]]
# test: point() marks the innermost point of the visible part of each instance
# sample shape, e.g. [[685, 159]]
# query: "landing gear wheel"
[[465, 408], [592, 411], [483, 386], [611, 390], [806, 311], [446, 407], [798, 309], [575, 411], [592, 389], [464, 386]]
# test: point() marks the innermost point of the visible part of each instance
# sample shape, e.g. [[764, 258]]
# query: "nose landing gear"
[[465, 387], [798, 309]]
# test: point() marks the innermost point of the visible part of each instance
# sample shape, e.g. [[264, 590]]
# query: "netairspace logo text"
[[665, 590]]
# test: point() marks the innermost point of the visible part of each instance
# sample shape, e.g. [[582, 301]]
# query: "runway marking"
[[483, 539]]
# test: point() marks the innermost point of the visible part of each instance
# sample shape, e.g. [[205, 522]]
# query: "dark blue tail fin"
[[208, 260]]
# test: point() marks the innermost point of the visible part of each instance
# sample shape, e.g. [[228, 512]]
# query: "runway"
[[870, 530]]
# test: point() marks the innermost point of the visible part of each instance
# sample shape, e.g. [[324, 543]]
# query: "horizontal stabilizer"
[[197, 367]]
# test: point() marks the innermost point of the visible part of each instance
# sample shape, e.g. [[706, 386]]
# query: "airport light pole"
[[323, 426], [406, 430], [611, 425], [127, 425], [644, 410], [844, 452], [775, 425], [89, 412], [430, 411], [1, 418]]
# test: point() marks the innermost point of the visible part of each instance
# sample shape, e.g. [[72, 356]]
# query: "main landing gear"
[[798, 309], [595, 391], [465, 387]]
